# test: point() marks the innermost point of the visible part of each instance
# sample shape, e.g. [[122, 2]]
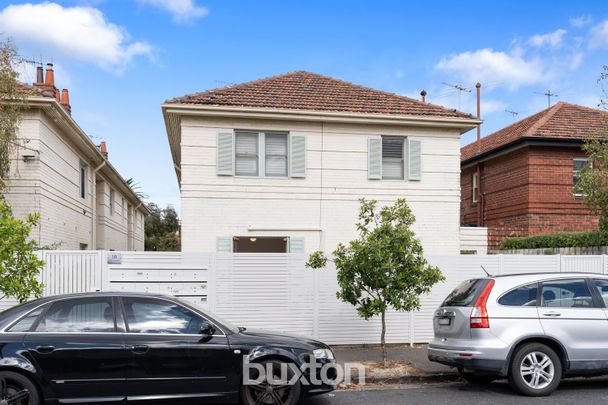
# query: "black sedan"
[[142, 348]]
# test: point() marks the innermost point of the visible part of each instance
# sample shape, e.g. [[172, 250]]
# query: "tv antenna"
[[513, 113], [461, 89], [547, 94]]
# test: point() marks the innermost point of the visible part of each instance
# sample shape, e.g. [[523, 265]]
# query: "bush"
[[557, 240]]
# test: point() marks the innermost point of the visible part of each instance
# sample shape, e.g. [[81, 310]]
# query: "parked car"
[[112, 347], [534, 329]]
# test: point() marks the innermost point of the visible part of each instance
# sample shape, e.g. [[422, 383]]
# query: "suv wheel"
[[535, 370], [477, 377]]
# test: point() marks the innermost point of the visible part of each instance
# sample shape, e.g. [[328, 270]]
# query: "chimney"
[[423, 95], [49, 79], [65, 100], [103, 149], [39, 75]]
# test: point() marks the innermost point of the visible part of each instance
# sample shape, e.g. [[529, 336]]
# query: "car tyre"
[[535, 370], [14, 383], [476, 377], [267, 393]]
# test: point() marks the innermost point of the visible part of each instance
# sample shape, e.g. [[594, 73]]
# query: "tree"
[[384, 267], [134, 185], [19, 264], [162, 229], [593, 179], [12, 102]]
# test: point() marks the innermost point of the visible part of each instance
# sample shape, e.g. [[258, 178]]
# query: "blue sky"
[[122, 58]]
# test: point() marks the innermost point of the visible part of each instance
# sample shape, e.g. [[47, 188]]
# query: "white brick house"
[[279, 164], [56, 170]]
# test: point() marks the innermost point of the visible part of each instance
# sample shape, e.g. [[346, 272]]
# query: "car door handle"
[[45, 349], [139, 349], [552, 314]]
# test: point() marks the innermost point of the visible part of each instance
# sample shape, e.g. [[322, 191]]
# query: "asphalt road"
[[579, 391]]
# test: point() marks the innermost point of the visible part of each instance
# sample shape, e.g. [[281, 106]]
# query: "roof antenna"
[[548, 94], [460, 89], [485, 271]]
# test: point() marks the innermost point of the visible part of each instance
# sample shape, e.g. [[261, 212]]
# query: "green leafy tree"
[[19, 264], [593, 180], [12, 103], [162, 229], [384, 267]]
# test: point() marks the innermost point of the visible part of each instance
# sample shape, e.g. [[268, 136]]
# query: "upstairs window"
[[392, 158], [83, 180], [475, 187], [261, 154], [578, 165], [111, 201]]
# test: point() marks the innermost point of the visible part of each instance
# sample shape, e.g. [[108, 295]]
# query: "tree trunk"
[[382, 338]]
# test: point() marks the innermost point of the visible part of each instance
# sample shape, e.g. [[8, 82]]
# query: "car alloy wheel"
[[274, 390], [537, 370], [13, 393]]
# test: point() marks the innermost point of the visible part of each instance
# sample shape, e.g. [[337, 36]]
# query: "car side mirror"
[[207, 329]]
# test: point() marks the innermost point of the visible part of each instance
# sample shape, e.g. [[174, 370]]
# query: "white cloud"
[[598, 35], [79, 32], [490, 106], [581, 21], [491, 67], [182, 10], [553, 39]]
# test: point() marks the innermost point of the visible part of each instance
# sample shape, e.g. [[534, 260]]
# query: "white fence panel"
[[583, 264], [517, 264], [474, 239], [67, 272]]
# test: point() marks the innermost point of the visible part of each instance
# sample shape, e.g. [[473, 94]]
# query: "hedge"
[[557, 240]]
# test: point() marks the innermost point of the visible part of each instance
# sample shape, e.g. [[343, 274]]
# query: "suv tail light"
[[479, 315]]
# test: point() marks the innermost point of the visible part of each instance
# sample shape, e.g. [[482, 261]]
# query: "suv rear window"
[[465, 294]]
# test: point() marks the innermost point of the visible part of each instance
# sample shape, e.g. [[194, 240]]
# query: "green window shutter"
[[297, 163], [374, 158], [224, 244], [296, 244], [225, 154], [415, 159]]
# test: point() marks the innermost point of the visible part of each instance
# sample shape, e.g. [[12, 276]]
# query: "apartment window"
[[83, 180], [111, 201], [123, 208], [261, 154], [475, 182], [392, 158], [578, 165]]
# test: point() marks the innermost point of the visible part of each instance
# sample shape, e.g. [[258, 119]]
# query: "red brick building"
[[519, 181]]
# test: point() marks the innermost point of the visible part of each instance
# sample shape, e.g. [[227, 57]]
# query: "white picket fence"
[[276, 291]]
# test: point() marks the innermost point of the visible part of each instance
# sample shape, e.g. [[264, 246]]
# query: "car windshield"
[[208, 314], [465, 294]]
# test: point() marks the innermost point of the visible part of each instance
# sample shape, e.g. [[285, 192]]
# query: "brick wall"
[[527, 192]]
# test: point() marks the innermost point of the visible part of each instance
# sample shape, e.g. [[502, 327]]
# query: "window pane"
[[26, 323], [276, 155], [521, 297], [392, 147], [465, 294], [79, 315], [157, 316], [566, 294], [392, 169], [246, 154], [602, 289], [578, 165]]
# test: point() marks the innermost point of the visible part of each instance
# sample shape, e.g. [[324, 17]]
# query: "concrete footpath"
[[420, 370]]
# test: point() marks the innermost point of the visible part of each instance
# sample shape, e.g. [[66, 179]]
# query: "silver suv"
[[534, 329]]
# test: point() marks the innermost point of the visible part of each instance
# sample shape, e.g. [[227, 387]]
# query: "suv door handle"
[[45, 349], [552, 314], [139, 349]]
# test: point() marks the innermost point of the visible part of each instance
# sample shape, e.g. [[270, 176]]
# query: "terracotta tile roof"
[[563, 121], [310, 91]]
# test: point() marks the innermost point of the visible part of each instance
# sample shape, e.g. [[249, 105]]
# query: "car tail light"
[[479, 315]]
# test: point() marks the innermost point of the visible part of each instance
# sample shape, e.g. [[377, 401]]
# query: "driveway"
[[575, 392]]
